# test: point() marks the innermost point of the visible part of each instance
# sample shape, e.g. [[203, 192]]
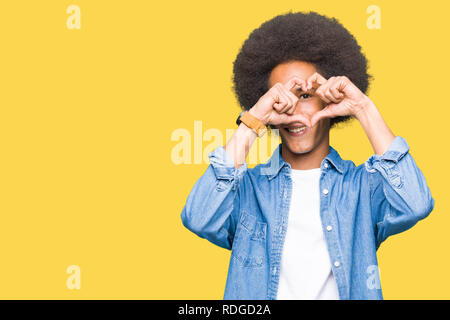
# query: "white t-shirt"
[[305, 264]]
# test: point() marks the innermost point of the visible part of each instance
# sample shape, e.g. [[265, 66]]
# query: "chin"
[[298, 142], [297, 147]]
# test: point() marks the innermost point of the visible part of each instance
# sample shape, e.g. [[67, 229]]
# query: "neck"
[[308, 160]]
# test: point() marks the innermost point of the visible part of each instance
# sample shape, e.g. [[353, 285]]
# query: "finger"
[[293, 99], [315, 81], [319, 92], [332, 90], [285, 118], [319, 85], [280, 103], [294, 83], [324, 113], [298, 117], [290, 110], [336, 93], [330, 96], [294, 105], [284, 96]]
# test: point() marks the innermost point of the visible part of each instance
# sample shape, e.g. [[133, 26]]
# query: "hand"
[[277, 105], [343, 98]]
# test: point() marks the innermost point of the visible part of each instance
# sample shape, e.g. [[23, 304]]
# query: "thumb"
[[324, 113], [287, 119]]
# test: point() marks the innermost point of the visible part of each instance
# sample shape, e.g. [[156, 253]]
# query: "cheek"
[[319, 104]]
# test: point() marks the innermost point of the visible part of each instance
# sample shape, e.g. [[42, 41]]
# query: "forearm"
[[400, 195], [212, 207], [239, 144], [379, 134]]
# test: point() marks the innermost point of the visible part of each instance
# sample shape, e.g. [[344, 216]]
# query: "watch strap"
[[253, 123]]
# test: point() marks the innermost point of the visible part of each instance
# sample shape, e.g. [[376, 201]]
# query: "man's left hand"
[[343, 98]]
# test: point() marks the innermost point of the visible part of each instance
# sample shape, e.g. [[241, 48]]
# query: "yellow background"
[[86, 176]]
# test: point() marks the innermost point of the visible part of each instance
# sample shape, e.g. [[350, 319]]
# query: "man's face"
[[308, 104]]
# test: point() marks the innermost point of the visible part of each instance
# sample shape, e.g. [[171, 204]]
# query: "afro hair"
[[308, 37]]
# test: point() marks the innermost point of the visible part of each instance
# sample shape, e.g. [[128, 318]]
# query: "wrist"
[[251, 120], [264, 118], [365, 108]]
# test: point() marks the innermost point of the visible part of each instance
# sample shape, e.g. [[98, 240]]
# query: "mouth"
[[297, 129]]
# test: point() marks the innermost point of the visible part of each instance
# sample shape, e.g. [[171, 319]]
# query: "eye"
[[305, 95]]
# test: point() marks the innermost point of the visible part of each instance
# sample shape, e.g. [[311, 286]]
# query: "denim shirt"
[[246, 210]]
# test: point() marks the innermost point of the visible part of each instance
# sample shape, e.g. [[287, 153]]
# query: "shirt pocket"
[[249, 244]]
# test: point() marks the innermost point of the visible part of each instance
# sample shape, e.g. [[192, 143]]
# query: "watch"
[[252, 122]]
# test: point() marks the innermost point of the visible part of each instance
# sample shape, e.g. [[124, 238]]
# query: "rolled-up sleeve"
[[224, 167], [212, 207], [400, 196]]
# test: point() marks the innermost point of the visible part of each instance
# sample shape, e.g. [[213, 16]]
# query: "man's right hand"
[[277, 105]]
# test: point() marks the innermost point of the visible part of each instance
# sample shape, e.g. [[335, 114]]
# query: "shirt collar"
[[276, 162]]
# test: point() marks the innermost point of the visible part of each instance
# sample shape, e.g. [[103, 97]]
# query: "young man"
[[306, 224]]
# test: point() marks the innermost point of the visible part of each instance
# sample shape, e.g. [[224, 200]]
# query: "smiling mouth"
[[296, 129]]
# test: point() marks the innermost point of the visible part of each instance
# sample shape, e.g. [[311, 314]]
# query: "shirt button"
[[325, 191], [337, 264], [275, 270], [326, 165], [329, 228]]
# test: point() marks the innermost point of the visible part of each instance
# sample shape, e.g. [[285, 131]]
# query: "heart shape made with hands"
[[341, 96]]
